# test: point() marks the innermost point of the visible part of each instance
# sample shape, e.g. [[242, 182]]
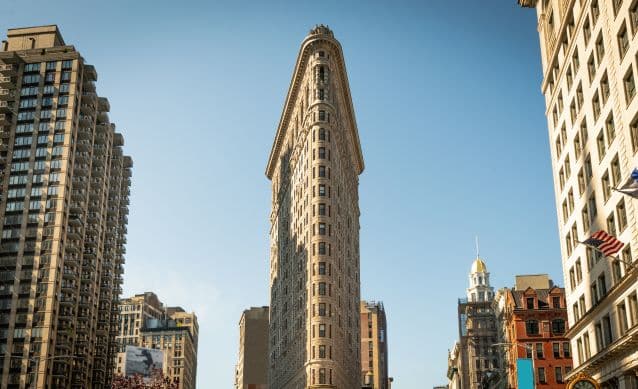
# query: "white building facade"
[[589, 56]]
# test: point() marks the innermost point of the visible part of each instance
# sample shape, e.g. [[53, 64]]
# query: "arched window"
[[531, 327]]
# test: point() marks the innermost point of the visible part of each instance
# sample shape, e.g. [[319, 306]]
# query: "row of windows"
[[536, 350], [60, 113], [46, 90], [50, 65], [46, 102], [532, 327], [559, 374]]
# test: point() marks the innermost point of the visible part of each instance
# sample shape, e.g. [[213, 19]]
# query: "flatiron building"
[[314, 166]]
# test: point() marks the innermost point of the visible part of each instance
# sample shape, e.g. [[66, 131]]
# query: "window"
[[633, 308], [322, 171], [600, 49], [530, 303], [541, 375], [596, 106], [622, 216], [556, 302], [531, 327], [634, 132], [587, 346], [579, 350], [558, 326], [322, 248], [606, 186], [322, 289], [633, 17], [630, 86], [322, 209], [623, 40], [558, 374], [608, 336], [611, 224], [604, 88], [322, 309], [539, 351], [322, 190], [322, 153], [556, 350], [615, 171], [621, 310], [570, 79], [575, 60], [595, 11], [322, 115], [566, 350], [322, 268], [579, 272], [602, 285], [32, 67], [322, 330]]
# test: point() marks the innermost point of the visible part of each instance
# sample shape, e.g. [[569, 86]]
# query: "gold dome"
[[478, 266]]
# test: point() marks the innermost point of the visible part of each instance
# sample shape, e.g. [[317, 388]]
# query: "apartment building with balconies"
[[64, 189]]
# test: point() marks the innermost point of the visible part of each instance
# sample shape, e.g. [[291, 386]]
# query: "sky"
[[451, 120]]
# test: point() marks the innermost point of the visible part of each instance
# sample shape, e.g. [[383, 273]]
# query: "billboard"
[[142, 361], [525, 373]]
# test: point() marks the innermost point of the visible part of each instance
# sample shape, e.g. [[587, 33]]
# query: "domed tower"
[[480, 289]]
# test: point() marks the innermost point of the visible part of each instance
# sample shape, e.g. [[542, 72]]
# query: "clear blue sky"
[[451, 120]]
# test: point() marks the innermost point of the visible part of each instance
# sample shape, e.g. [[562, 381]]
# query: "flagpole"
[[631, 265]]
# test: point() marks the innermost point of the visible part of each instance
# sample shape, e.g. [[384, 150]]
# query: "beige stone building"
[[134, 312], [146, 322], [374, 346], [588, 54], [252, 365], [314, 166], [64, 188]]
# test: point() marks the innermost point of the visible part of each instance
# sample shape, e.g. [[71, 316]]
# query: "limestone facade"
[[314, 265], [588, 54]]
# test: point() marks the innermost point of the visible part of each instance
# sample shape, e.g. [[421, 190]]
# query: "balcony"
[[86, 120], [5, 107], [8, 70], [7, 94], [87, 109], [6, 81], [89, 97], [89, 73]]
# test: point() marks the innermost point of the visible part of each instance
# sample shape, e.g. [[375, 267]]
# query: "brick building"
[[532, 322]]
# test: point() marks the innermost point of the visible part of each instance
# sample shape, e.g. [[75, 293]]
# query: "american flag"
[[605, 243]]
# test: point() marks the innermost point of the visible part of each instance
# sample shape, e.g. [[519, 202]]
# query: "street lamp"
[[527, 347], [37, 360]]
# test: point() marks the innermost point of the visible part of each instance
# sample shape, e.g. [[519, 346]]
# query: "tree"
[[156, 381]]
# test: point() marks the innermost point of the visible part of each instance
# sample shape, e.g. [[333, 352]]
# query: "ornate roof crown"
[[321, 29]]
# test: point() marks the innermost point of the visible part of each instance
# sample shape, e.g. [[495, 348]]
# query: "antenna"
[[477, 247]]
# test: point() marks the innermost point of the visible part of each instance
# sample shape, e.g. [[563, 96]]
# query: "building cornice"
[[293, 92]]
